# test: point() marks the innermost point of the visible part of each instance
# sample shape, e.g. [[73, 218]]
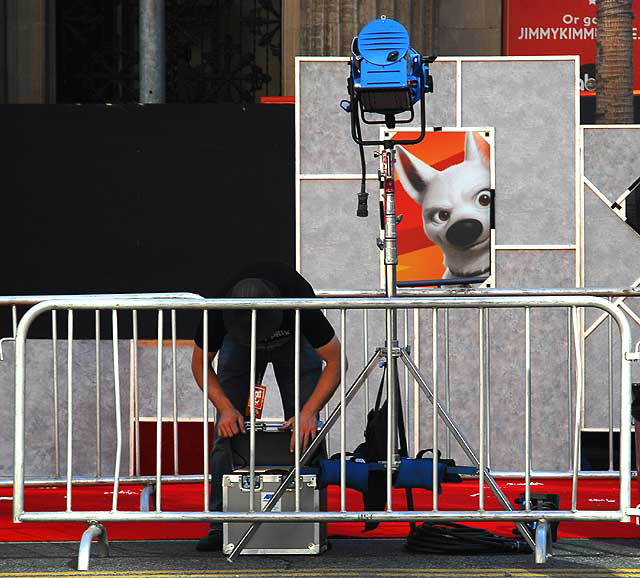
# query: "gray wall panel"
[[612, 258], [39, 421], [189, 395], [541, 132], [597, 376], [326, 145], [611, 158], [7, 375], [535, 268], [338, 250], [535, 144], [441, 103]]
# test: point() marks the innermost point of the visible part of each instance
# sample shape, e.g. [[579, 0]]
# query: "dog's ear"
[[476, 148], [415, 175]]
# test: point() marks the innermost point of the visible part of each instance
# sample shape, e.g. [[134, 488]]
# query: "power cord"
[[450, 538]]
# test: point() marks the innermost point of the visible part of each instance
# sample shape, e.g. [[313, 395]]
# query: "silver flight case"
[[274, 537]]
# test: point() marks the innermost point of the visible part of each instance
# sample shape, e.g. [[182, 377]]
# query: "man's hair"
[[238, 321]]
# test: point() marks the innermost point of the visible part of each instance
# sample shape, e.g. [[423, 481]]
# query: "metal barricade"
[[430, 389], [14, 302]]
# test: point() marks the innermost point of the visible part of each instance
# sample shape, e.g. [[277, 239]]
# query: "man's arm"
[[230, 420], [326, 386]]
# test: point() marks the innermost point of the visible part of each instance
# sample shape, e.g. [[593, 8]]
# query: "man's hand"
[[308, 430], [230, 422]]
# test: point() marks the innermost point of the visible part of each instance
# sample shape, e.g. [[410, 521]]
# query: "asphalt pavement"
[[345, 558]]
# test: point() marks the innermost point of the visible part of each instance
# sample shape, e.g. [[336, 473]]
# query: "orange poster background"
[[418, 257]]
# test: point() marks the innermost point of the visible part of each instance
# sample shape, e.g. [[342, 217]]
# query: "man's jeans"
[[234, 363]]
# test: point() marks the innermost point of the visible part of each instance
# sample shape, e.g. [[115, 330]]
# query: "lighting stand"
[[390, 353]]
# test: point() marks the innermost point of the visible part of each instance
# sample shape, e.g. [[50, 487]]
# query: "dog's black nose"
[[464, 233]]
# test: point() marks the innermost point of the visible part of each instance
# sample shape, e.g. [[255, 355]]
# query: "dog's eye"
[[484, 199], [444, 215]]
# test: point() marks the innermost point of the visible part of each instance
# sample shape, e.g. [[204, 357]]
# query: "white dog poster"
[[444, 190]]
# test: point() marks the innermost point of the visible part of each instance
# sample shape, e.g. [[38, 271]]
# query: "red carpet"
[[593, 495]]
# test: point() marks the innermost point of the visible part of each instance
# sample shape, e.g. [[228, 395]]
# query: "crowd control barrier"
[[429, 388], [17, 304]]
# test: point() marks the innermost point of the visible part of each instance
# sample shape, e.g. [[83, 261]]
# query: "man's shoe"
[[212, 542]]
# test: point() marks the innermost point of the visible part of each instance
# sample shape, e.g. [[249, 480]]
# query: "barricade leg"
[[145, 497], [95, 530], [543, 542]]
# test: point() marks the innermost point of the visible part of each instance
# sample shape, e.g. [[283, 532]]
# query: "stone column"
[[3, 52], [328, 26], [290, 44], [26, 51], [465, 31], [152, 31]]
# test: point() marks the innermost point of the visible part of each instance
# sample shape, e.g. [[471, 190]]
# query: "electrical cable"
[[450, 538], [363, 196]]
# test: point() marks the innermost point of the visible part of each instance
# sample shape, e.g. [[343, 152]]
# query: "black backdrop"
[[114, 199]]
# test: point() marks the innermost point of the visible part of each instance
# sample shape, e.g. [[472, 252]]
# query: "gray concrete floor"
[[347, 557]]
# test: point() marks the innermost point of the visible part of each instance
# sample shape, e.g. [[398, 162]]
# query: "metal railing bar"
[[416, 387], [610, 389], [461, 302], [69, 405], [407, 406], [174, 390], [158, 497], [487, 292], [578, 408], [116, 387], [35, 299], [343, 412], [365, 356], [296, 405], [391, 417], [487, 374], [56, 417], [252, 412], [434, 414], [518, 516], [98, 399], [447, 375], [198, 478], [527, 408], [205, 406], [136, 389], [481, 391], [569, 389], [326, 410]]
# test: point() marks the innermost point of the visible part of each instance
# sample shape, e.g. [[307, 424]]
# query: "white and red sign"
[[553, 27]]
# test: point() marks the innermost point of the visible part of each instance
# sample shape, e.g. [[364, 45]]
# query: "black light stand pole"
[[393, 351], [390, 246]]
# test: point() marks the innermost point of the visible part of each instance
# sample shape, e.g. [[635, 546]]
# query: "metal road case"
[[274, 537]]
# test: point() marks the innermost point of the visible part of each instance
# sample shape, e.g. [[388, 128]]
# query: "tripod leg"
[[284, 483], [464, 444], [400, 427]]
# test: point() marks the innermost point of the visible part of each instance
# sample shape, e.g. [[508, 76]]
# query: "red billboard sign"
[[552, 27]]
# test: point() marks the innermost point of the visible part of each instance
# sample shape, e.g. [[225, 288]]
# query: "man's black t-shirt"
[[313, 324]]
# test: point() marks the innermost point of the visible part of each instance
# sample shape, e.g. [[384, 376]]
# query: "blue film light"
[[388, 75]]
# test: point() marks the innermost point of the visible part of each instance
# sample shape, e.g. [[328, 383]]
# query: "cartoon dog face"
[[456, 205]]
